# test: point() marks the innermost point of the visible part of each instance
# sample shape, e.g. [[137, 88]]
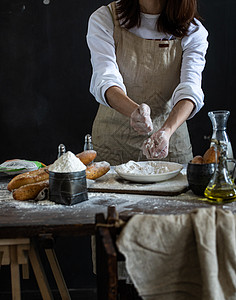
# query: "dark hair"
[[175, 16]]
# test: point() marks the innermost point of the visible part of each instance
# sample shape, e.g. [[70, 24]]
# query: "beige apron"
[[151, 71]]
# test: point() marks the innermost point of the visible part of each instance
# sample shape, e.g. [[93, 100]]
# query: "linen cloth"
[[182, 257]]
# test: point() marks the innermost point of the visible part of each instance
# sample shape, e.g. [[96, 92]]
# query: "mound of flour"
[[147, 168], [66, 163]]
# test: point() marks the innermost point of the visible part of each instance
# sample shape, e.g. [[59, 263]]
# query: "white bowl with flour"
[[148, 171]]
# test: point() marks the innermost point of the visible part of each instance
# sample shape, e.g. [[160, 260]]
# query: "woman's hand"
[[157, 145], [140, 119]]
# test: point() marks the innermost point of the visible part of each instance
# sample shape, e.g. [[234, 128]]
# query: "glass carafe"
[[221, 187], [219, 120]]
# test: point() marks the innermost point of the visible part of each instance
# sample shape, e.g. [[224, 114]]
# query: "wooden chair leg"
[[57, 274], [15, 274], [39, 273]]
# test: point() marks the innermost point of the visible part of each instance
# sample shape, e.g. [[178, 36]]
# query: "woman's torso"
[[151, 71]]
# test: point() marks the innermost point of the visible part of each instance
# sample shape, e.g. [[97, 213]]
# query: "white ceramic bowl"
[[173, 170]]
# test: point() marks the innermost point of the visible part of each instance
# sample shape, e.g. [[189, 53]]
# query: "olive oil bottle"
[[220, 195], [221, 187]]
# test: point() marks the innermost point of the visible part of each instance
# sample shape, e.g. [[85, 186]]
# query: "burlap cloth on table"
[[176, 257]]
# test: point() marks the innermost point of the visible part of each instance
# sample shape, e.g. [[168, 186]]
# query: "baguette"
[[27, 178], [97, 169], [87, 156], [29, 191]]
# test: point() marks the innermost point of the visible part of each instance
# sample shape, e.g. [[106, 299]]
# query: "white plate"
[[174, 169]]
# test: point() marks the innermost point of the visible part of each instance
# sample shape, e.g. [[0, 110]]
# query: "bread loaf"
[[97, 169], [29, 191], [27, 178], [87, 156], [198, 159], [211, 156]]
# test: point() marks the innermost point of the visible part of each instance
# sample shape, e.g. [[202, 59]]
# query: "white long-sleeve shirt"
[[105, 69]]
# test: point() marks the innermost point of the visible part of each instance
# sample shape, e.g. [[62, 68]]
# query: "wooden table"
[[46, 220], [29, 219]]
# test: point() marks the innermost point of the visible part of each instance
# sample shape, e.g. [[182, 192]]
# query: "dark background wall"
[[44, 88], [45, 74], [44, 77], [219, 77]]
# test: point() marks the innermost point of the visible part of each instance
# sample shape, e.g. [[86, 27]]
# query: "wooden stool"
[[15, 252]]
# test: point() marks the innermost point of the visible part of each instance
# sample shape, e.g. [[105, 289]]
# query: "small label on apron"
[[163, 45]]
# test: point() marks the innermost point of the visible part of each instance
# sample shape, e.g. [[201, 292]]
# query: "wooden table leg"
[[1, 257], [57, 274], [39, 273], [25, 271], [22, 257], [15, 274], [106, 262]]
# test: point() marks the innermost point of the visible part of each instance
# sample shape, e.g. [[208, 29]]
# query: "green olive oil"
[[220, 195]]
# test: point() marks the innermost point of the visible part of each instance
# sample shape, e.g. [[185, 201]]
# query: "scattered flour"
[[147, 168], [66, 163]]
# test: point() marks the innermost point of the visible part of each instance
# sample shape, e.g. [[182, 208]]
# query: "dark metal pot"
[[68, 188], [198, 176]]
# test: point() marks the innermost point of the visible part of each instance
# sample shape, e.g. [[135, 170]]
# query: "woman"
[[147, 58]]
